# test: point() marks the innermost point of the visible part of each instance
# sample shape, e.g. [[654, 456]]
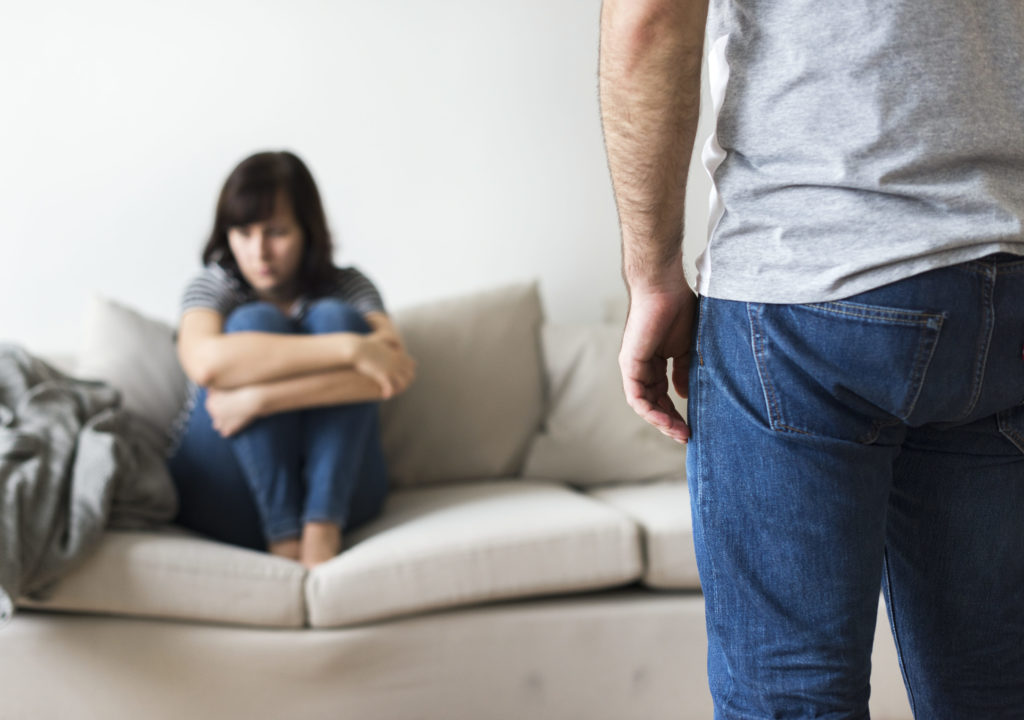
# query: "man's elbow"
[[644, 24]]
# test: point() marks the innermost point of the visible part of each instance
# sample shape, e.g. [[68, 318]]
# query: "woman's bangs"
[[249, 205]]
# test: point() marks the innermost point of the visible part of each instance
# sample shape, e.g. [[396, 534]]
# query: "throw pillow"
[[136, 355], [478, 395], [591, 435]]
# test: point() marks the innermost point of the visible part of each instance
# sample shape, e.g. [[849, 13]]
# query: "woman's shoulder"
[[215, 288], [348, 276], [214, 272], [352, 285]]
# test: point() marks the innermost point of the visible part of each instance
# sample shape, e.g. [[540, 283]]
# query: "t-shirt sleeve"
[[212, 289], [358, 291]]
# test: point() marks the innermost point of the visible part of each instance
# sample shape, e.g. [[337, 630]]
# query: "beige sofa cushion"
[[448, 546], [591, 436], [478, 395], [662, 510], [173, 574]]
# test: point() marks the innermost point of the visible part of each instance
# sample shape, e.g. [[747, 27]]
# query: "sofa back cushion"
[[136, 355], [478, 395], [476, 402], [590, 435]]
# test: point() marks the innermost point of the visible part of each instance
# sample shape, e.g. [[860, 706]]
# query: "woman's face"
[[269, 252]]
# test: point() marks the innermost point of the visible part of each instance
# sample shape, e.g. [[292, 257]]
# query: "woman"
[[290, 357]]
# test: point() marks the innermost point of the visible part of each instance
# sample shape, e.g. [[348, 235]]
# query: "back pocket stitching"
[[1010, 433], [930, 324], [767, 388], [873, 313]]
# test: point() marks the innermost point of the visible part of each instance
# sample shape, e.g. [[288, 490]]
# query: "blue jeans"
[[264, 483], [841, 448]]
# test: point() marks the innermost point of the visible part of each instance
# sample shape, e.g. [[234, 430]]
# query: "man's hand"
[[659, 327], [233, 410]]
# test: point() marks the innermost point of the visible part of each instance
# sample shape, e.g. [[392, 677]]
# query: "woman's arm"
[[385, 329], [232, 410], [214, 359]]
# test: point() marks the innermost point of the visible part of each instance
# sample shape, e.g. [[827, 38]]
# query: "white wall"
[[457, 145]]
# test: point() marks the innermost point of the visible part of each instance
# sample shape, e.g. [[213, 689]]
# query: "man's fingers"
[[656, 409], [662, 415]]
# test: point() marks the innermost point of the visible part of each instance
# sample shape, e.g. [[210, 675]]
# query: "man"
[[854, 374]]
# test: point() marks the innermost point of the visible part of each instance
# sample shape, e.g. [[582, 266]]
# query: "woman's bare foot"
[[320, 542], [286, 548]]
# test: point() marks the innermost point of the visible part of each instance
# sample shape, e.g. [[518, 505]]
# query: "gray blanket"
[[72, 462]]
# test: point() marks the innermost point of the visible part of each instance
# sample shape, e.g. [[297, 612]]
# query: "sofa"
[[534, 559]]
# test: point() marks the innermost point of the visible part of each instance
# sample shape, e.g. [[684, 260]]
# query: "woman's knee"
[[333, 315], [257, 316]]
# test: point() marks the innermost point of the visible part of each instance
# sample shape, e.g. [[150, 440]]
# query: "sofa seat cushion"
[[452, 545], [662, 510], [174, 574]]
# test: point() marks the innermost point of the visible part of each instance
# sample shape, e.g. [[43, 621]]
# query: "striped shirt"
[[216, 289]]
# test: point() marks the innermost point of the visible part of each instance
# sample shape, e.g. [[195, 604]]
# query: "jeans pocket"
[[841, 369], [1011, 425]]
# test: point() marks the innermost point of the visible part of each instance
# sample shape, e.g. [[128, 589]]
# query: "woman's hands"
[[233, 410], [389, 336], [381, 357]]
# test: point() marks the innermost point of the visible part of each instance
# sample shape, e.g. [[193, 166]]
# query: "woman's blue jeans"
[[264, 483], [841, 448]]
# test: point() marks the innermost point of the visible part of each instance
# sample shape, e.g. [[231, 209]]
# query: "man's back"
[[861, 143], [872, 155]]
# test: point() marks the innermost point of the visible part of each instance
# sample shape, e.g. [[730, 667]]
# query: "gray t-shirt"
[[857, 144]]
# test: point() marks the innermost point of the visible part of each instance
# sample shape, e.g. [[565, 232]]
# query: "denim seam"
[[710, 593], [322, 518], [876, 429], [983, 267], [757, 346], [895, 633], [702, 309], [1010, 433], [985, 343], [870, 313], [775, 420], [922, 362], [285, 530], [973, 267]]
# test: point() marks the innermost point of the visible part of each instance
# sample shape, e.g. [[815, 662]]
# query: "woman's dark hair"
[[249, 195]]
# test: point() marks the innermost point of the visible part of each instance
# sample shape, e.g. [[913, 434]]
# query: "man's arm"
[[651, 53]]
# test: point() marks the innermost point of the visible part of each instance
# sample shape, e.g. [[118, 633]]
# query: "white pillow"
[[591, 435], [478, 395], [136, 355]]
